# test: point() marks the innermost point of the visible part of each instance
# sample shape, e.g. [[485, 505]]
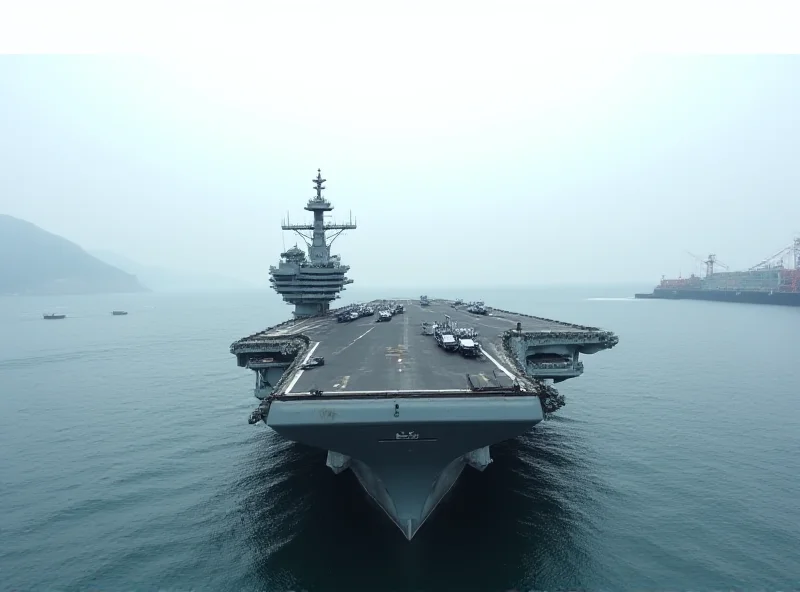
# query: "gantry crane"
[[776, 260]]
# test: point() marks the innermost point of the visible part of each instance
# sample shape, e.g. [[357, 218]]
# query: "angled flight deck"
[[365, 357]]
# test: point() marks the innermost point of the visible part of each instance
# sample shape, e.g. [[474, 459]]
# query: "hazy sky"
[[467, 152]]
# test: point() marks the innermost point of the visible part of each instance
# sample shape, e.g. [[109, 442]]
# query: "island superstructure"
[[771, 281], [312, 283], [404, 393]]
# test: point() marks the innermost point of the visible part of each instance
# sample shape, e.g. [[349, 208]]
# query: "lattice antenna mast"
[[317, 241]]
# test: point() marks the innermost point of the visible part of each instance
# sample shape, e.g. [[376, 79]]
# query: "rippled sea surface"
[[126, 460]]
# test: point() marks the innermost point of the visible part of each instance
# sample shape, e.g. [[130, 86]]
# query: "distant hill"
[[161, 279], [34, 261]]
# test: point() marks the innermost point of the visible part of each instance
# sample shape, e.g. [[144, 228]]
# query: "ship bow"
[[407, 454]]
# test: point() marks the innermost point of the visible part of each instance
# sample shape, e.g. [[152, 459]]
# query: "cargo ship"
[[772, 281]]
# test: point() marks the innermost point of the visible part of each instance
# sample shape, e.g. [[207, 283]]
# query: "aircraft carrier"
[[404, 393]]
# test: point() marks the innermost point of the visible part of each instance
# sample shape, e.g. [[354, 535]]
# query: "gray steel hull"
[[407, 457]]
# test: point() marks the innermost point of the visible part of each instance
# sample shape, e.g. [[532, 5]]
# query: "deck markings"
[[345, 380], [475, 320], [496, 363], [405, 332], [341, 349], [399, 392], [489, 326], [299, 327], [300, 372], [500, 318]]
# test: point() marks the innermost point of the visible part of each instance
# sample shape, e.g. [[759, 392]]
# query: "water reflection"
[[524, 523]]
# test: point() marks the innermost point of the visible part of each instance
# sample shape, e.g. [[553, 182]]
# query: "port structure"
[[789, 276], [311, 282], [769, 276]]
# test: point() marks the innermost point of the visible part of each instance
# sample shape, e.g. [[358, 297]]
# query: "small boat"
[[52, 317], [119, 313]]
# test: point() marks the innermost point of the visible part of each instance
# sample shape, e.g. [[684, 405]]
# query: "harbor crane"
[[710, 263], [776, 260]]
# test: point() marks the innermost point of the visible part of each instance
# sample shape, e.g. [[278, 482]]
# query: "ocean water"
[[126, 460]]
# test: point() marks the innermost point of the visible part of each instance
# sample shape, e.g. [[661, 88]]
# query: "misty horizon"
[[601, 171]]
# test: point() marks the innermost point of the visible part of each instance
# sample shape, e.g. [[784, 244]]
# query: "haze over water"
[[128, 461], [518, 143]]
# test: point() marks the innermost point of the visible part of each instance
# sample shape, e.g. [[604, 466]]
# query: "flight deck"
[[364, 357]]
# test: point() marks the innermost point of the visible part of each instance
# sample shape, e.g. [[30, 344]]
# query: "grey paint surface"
[[406, 453]]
